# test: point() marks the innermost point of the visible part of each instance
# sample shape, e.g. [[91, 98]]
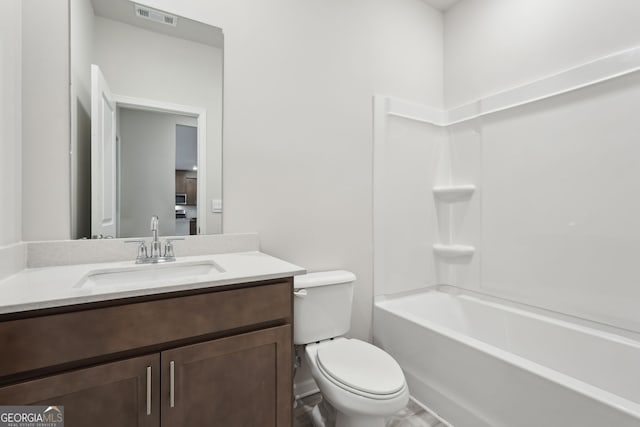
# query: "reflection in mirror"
[[146, 115], [149, 144]]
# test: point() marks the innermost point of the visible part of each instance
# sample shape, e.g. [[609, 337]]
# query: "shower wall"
[[406, 167], [554, 218]]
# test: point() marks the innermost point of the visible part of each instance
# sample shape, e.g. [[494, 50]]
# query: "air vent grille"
[[143, 13], [155, 15]]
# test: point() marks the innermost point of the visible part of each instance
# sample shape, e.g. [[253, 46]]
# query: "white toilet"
[[361, 382]]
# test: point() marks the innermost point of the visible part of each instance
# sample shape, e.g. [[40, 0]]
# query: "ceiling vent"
[[155, 15]]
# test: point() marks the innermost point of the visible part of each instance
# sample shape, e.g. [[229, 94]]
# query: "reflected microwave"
[[181, 198]]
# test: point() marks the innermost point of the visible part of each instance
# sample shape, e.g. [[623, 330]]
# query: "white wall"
[[299, 81], [45, 120], [172, 70], [562, 231], [10, 121], [553, 218], [493, 45]]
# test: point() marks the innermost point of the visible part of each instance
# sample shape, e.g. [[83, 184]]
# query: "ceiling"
[[123, 11], [441, 4]]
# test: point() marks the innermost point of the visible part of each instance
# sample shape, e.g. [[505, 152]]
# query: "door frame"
[[135, 103]]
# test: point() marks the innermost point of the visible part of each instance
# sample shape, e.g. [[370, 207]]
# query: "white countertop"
[[47, 287]]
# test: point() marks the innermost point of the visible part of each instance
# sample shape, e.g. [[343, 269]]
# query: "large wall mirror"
[[146, 121]]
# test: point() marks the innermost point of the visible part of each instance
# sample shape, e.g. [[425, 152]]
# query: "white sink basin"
[[149, 274]]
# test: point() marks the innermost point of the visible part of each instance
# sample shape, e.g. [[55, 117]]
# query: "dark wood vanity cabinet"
[[217, 358]]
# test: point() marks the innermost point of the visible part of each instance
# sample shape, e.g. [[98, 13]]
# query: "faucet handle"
[[154, 223], [168, 247], [142, 248]]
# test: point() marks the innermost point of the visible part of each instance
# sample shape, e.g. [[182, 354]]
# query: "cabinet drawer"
[[45, 341]]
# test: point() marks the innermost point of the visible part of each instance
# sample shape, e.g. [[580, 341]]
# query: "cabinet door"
[[191, 185], [181, 184], [113, 394], [244, 380]]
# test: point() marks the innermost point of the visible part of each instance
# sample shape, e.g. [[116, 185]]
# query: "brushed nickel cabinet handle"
[[148, 390], [172, 385]]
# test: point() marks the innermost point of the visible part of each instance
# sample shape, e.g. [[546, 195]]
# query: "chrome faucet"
[[155, 245], [156, 256]]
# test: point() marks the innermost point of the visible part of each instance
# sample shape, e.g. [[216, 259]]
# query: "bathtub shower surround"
[[537, 216], [523, 196]]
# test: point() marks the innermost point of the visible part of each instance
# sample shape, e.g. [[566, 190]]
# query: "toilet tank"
[[322, 305]]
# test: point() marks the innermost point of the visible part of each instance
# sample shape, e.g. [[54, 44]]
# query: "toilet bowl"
[[359, 381], [363, 383]]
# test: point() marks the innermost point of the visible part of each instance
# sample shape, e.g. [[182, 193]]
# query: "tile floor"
[[411, 416]]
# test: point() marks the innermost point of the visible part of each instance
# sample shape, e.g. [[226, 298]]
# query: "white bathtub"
[[479, 363]]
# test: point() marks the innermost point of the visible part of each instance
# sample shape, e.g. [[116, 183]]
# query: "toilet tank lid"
[[323, 278]]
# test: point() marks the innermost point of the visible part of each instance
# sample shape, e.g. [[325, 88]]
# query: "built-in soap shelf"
[[454, 253], [454, 193]]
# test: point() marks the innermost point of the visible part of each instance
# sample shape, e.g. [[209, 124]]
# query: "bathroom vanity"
[[180, 354]]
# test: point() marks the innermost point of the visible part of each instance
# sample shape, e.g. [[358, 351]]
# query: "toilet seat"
[[360, 368]]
